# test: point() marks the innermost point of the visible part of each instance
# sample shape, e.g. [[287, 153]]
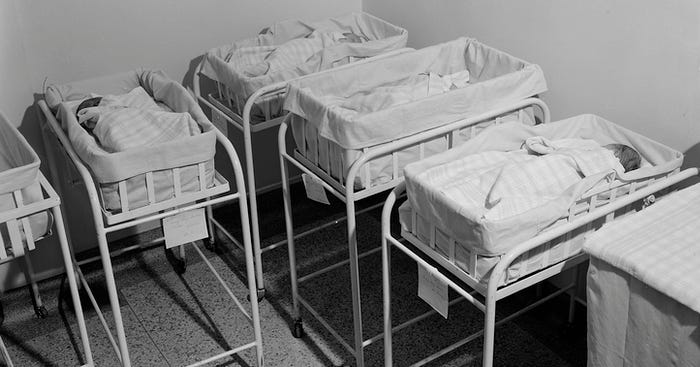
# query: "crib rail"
[[594, 214], [359, 170], [16, 221], [126, 213]]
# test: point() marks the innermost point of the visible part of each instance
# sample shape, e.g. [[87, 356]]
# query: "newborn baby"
[[629, 158], [132, 120]]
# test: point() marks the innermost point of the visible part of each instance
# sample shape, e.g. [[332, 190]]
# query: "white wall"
[[634, 62], [70, 40]]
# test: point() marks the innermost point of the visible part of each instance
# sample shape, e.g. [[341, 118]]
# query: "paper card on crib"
[[185, 227], [314, 189], [218, 119], [433, 290]]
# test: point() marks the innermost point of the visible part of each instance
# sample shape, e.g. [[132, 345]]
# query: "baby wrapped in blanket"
[[132, 120], [260, 60], [499, 184]]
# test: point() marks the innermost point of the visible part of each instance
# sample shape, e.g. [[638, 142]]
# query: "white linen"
[[633, 324], [495, 79], [134, 120], [492, 235], [659, 246]]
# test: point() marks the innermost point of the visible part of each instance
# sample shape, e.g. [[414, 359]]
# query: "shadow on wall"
[[692, 159]]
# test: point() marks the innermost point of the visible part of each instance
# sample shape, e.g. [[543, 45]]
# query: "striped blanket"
[[498, 185], [660, 246], [261, 60], [135, 120]]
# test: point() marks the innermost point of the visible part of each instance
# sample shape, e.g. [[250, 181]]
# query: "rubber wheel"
[[260, 294], [298, 330], [41, 312], [213, 246], [180, 267]]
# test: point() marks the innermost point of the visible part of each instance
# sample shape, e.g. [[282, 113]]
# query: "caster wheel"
[[180, 267], [260, 294], [213, 246], [298, 330], [41, 312]]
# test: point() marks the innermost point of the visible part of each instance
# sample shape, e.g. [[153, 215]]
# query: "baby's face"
[[629, 158]]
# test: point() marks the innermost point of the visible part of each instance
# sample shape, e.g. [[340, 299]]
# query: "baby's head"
[[90, 102], [629, 158]]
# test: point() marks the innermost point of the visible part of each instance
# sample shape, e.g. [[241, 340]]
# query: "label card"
[[219, 120], [185, 227], [314, 189], [433, 290]]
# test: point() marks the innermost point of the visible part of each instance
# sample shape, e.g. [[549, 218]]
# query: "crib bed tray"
[[382, 37], [426, 179], [128, 171], [331, 137], [19, 170]]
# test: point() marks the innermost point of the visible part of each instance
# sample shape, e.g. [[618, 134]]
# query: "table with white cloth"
[[644, 286]]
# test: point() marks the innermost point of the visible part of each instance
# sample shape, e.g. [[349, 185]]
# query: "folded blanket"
[[132, 120], [400, 92], [261, 60]]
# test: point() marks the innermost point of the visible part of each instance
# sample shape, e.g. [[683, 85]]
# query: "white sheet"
[[467, 223], [495, 79], [659, 246], [633, 324]]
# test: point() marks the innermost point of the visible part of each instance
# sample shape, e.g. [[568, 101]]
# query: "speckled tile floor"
[[173, 320]]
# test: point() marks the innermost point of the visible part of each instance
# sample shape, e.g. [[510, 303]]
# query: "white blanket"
[[496, 185], [659, 246], [134, 120], [261, 60]]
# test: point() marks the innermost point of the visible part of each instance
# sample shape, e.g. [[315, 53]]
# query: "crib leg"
[[212, 244], [489, 330], [386, 286], [39, 308], [253, 204], [73, 284], [574, 293], [112, 292], [297, 329], [5, 354], [355, 282]]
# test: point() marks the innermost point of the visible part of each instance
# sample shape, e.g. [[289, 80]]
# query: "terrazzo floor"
[[174, 320]]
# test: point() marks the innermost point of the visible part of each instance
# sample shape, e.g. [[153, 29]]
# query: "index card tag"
[[185, 227], [314, 189], [219, 120], [433, 290]]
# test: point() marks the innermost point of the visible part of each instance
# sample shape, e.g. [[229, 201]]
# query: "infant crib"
[[154, 182], [496, 258], [355, 145], [29, 209], [253, 103]]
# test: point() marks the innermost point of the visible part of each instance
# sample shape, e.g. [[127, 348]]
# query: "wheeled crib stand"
[[33, 203], [588, 213], [349, 192], [230, 106], [183, 201]]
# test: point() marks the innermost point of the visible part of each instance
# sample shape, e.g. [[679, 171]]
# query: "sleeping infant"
[[262, 60], [545, 170], [132, 120]]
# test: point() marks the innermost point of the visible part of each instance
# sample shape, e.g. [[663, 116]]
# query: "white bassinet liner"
[[383, 37], [336, 161], [19, 168], [132, 165], [496, 79], [495, 237], [462, 255]]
